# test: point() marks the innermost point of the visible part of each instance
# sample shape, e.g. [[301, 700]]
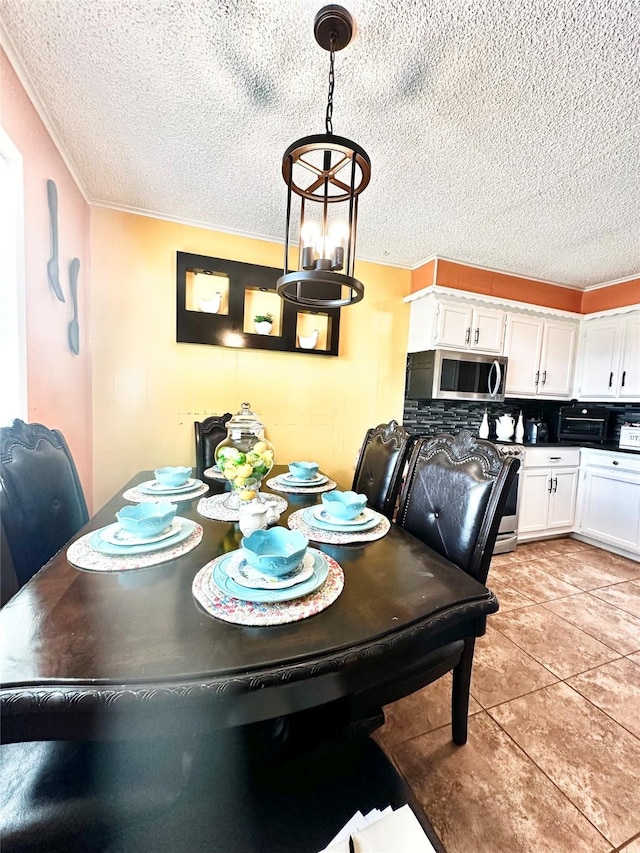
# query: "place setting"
[[341, 518], [142, 535], [173, 483], [272, 579], [302, 478]]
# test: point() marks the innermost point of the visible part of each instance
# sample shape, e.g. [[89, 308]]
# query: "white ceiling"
[[503, 133]]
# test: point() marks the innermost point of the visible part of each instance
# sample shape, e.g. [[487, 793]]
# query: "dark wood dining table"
[[113, 655]]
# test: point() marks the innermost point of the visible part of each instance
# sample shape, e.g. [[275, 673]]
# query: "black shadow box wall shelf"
[[217, 301]]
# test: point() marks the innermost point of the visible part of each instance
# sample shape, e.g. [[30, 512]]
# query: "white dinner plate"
[[152, 487], [289, 480], [117, 535], [245, 575], [98, 543]]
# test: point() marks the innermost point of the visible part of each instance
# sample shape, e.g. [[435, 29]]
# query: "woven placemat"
[[215, 509], [338, 537], [136, 496], [250, 613], [82, 556], [275, 484]]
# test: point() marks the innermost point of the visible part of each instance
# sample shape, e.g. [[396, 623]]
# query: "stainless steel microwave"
[[440, 374]]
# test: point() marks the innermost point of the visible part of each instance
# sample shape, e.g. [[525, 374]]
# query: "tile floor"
[[552, 764]]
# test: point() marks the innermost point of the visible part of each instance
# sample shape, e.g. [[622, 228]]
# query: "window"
[[13, 341]]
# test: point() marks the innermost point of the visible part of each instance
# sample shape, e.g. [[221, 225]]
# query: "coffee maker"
[[536, 431]]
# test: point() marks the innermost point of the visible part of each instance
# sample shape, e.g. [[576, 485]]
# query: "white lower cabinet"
[[609, 499], [547, 494]]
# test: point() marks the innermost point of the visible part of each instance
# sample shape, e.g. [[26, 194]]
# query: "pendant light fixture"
[[327, 173]]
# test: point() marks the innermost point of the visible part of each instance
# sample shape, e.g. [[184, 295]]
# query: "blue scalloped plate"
[[224, 584], [99, 544]]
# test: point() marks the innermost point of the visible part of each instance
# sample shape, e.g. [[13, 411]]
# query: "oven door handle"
[[493, 391]]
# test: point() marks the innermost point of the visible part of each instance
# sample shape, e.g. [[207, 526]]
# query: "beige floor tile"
[[613, 627], [635, 658], [509, 598], [502, 671], [517, 556], [568, 545], [592, 759], [552, 641], [615, 689], [621, 567], [488, 797], [626, 596], [420, 712], [531, 581], [631, 847], [571, 568]]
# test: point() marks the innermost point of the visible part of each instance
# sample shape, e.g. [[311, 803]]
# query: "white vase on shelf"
[[519, 436], [483, 432]]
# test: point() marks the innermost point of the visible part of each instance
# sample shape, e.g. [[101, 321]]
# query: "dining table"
[[119, 654]]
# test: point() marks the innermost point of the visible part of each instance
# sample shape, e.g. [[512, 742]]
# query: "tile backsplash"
[[428, 417]]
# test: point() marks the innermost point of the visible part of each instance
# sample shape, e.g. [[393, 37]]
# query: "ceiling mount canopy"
[[326, 173]]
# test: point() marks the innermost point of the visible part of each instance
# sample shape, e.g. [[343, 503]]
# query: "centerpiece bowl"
[[244, 457], [275, 552], [146, 518]]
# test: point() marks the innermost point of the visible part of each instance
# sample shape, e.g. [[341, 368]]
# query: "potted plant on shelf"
[[262, 323]]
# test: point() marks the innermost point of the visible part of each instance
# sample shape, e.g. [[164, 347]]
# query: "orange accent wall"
[[614, 296], [58, 382], [503, 286]]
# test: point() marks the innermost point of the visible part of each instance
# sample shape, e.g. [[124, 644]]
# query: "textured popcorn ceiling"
[[503, 133]]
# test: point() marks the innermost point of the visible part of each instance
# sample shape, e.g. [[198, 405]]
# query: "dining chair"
[[380, 466], [41, 499], [452, 499], [208, 434]]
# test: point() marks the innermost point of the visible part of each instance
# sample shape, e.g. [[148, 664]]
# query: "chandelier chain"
[[332, 80]]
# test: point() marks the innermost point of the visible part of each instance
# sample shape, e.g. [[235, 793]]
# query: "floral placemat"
[[228, 609], [215, 509], [276, 484], [214, 473], [136, 496], [338, 537], [81, 555]]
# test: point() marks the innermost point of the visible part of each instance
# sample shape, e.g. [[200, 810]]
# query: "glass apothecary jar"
[[244, 457]]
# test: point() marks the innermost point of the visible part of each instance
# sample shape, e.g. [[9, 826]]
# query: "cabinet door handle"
[[544, 377], [537, 376], [611, 379], [467, 337], [476, 337], [624, 376], [555, 458], [550, 489], [615, 462], [555, 484]]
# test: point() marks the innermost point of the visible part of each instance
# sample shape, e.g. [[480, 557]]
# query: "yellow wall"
[[148, 389]]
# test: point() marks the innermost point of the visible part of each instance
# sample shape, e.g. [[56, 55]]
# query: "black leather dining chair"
[[208, 435], [453, 498], [41, 499], [381, 464]]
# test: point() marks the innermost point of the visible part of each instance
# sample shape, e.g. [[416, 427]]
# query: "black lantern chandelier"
[[327, 173]]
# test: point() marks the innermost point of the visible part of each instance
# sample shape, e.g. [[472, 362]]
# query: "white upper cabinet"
[[541, 355], [454, 324], [609, 362], [463, 327]]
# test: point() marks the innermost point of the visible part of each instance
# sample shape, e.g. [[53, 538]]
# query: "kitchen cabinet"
[[609, 361], [609, 499], [548, 490], [455, 324], [541, 355]]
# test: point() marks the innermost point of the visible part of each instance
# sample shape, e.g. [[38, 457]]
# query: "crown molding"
[[611, 283]]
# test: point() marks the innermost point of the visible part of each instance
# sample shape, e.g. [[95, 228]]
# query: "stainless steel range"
[[508, 530]]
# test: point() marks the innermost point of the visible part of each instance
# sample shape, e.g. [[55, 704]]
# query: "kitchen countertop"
[[593, 445]]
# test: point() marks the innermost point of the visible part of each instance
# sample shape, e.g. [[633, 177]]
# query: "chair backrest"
[[380, 466], [42, 502], [209, 433], [454, 496]]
